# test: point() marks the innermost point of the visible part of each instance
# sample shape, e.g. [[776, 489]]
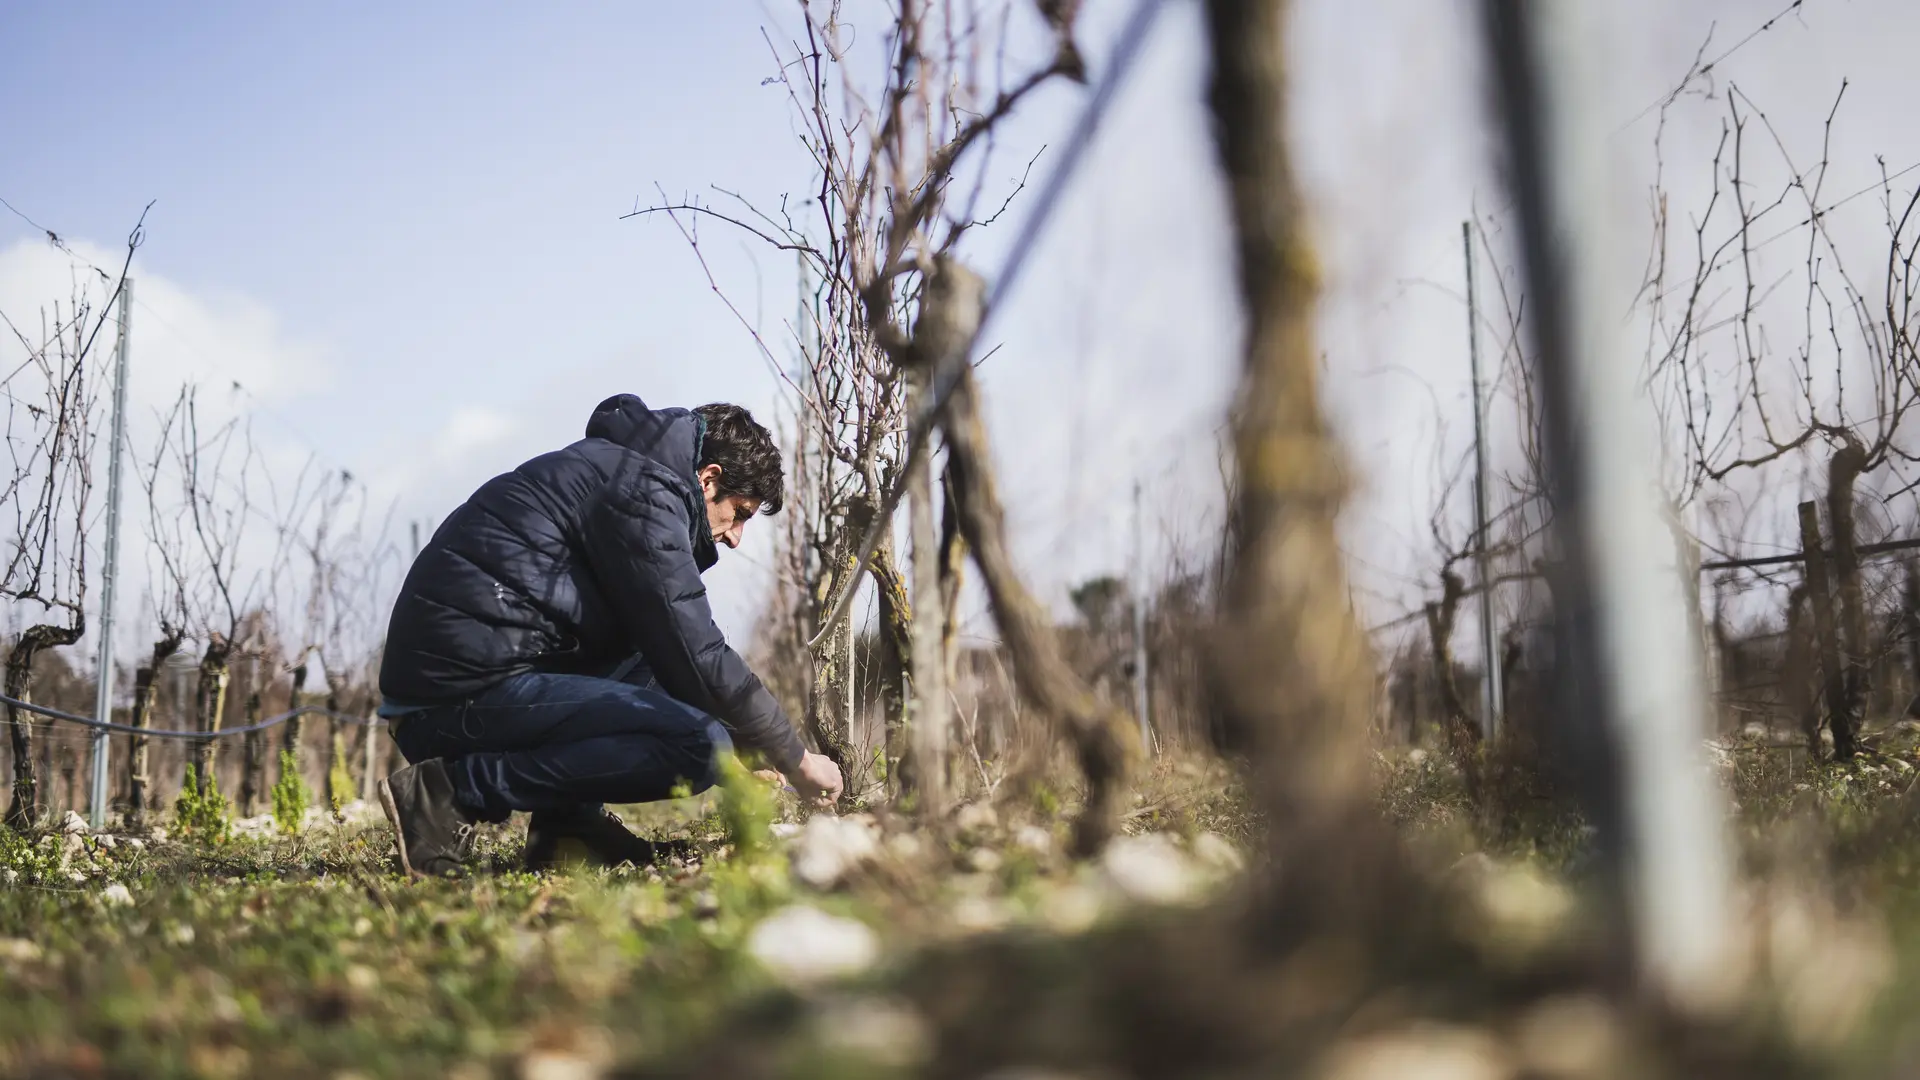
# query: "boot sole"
[[399, 834]]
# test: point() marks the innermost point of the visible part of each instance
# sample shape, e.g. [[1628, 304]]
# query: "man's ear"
[[709, 476]]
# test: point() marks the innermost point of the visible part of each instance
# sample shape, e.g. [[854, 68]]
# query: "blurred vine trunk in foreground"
[[1292, 669]]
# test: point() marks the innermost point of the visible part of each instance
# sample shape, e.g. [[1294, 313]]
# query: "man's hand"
[[817, 779]]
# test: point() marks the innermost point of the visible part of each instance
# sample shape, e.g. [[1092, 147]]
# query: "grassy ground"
[[308, 955]]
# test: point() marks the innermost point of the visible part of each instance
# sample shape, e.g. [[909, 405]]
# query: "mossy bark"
[[25, 810]]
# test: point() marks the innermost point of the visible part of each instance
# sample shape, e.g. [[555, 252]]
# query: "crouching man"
[[552, 649]]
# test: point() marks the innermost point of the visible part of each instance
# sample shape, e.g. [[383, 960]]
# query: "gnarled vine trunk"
[[25, 810], [250, 759], [209, 708], [1843, 470], [290, 732], [139, 752], [1292, 669]]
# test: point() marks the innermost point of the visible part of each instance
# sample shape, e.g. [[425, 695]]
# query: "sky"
[[396, 229]]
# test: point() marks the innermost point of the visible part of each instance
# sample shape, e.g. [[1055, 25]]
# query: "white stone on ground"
[[975, 817], [540, 1064], [1071, 908], [1419, 1053], [258, 825], [74, 825], [1034, 839], [1217, 853], [831, 847], [887, 1033], [984, 861], [1150, 869], [116, 895], [981, 914], [802, 944], [361, 812]]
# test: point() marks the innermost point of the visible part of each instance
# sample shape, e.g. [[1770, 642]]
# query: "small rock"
[[984, 861], [1522, 902], [258, 825], [802, 944], [1570, 1037], [1217, 853], [1417, 756], [1424, 1053], [1070, 909], [361, 812], [1471, 868], [116, 895], [362, 978], [981, 914], [975, 817], [180, 934], [1902, 765], [906, 846], [706, 904], [74, 825], [784, 830], [20, 950], [1720, 756], [1034, 839], [888, 1033], [107, 842], [832, 847], [558, 1065], [1149, 869]]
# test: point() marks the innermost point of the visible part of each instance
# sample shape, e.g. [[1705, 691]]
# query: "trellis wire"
[[190, 736]]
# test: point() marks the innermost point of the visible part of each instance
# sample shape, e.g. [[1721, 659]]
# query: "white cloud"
[[219, 340], [468, 429], [233, 349]]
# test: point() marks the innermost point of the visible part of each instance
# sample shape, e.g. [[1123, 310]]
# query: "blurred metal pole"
[[1141, 703], [1489, 639], [110, 570], [1630, 661]]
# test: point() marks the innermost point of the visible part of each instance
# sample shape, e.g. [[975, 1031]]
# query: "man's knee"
[[712, 746]]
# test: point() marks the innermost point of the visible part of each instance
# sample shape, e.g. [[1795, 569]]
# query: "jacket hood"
[[668, 436]]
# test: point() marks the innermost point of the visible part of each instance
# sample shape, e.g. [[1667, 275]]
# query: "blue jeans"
[[542, 742]]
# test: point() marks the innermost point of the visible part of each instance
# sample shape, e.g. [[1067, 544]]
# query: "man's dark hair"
[[749, 463]]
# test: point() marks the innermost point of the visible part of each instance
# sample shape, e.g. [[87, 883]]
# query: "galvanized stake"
[[103, 694], [1489, 639]]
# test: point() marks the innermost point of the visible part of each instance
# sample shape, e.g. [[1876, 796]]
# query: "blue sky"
[[397, 227], [418, 213]]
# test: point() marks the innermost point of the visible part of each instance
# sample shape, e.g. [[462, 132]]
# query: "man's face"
[[726, 514]]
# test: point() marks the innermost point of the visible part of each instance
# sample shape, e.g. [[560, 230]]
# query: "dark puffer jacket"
[[573, 562]]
